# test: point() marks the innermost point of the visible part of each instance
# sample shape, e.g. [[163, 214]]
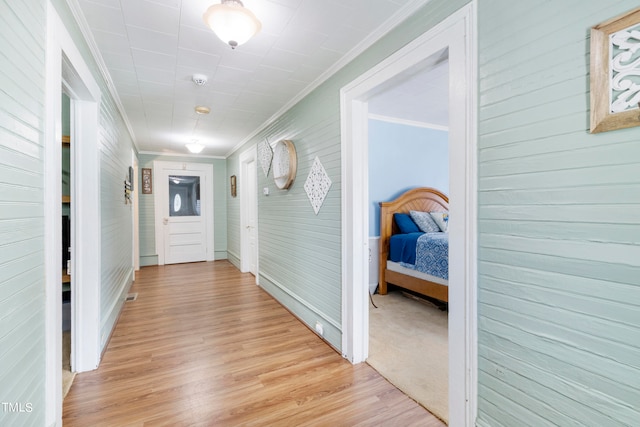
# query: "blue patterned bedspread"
[[432, 254]]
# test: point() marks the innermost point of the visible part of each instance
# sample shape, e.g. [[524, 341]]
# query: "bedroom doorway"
[[456, 34], [408, 149]]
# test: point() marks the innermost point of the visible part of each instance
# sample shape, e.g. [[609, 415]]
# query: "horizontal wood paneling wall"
[[233, 208], [148, 255], [559, 221], [117, 230], [22, 292], [299, 252]]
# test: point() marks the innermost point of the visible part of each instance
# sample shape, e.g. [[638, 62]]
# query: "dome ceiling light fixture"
[[194, 146], [233, 23]]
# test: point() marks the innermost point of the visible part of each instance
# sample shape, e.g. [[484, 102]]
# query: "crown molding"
[[83, 25], [395, 19], [405, 122], [193, 156]]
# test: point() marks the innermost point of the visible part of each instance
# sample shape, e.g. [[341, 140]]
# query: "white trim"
[[161, 200], [85, 194], [85, 245], [83, 25], [406, 11], [247, 156], [193, 156], [52, 242], [406, 122], [457, 32], [135, 213]]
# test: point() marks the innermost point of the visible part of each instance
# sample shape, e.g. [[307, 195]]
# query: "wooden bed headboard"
[[422, 199]]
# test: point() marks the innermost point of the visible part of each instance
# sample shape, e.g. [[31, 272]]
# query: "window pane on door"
[[184, 195]]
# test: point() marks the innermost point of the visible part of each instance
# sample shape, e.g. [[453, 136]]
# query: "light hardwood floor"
[[203, 345]]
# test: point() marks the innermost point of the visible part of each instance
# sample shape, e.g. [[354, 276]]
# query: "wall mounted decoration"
[[615, 73], [147, 181], [265, 154], [232, 181], [285, 164], [317, 185]]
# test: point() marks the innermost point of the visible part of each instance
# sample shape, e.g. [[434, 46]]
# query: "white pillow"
[[425, 223], [442, 219]]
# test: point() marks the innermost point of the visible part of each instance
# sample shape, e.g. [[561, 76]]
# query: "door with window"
[[184, 224]]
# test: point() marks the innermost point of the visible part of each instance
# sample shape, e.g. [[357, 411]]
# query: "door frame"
[[458, 34], [246, 203], [136, 214], [160, 200], [65, 67]]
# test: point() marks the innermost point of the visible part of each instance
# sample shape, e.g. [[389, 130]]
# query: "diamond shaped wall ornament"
[[317, 185], [265, 153]]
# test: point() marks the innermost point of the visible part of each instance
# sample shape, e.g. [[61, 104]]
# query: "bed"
[[422, 199]]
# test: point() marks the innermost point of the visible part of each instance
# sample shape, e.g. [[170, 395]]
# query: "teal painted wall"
[[148, 254], [22, 118], [402, 157], [300, 252], [22, 292], [559, 221]]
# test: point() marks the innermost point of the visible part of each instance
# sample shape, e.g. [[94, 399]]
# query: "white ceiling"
[[419, 95], [151, 49]]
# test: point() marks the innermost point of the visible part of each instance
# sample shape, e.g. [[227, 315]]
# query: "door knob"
[[165, 221]]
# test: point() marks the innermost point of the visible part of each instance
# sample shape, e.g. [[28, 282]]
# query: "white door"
[[184, 211], [248, 185], [252, 216]]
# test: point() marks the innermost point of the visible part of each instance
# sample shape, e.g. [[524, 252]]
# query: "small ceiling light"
[[232, 22], [194, 146], [201, 109]]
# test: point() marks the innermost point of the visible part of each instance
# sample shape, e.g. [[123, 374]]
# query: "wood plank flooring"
[[203, 345]]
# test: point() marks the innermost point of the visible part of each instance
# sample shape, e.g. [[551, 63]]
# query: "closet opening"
[[68, 373]]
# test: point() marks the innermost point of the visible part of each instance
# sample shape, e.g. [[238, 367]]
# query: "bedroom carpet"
[[67, 375], [408, 345]]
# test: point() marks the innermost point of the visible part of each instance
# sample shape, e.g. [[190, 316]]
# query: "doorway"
[[457, 35], [249, 212], [183, 212], [408, 148], [67, 72]]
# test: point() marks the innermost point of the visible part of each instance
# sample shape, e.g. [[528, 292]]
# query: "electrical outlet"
[[319, 329]]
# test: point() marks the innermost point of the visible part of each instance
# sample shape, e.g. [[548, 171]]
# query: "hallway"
[[203, 345]]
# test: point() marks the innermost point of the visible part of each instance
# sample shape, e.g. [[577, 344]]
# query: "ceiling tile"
[[151, 16], [119, 60], [140, 38], [145, 58], [104, 18], [202, 40], [111, 42], [126, 77], [115, 4], [156, 75], [197, 62]]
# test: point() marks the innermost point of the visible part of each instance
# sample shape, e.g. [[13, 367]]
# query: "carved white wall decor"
[[614, 73], [317, 185], [625, 69], [265, 154]]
